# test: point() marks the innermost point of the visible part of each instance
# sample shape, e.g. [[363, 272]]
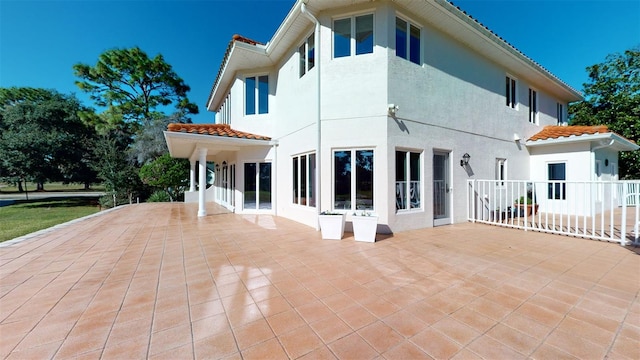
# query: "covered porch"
[[223, 157]]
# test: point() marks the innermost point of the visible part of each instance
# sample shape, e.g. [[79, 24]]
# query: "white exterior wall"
[[577, 158], [453, 102]]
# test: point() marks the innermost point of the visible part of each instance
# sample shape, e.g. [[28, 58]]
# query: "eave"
[[440, 14], [184, 145], [617, 142]]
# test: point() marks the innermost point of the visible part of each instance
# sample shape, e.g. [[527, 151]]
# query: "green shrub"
[[159, 196]]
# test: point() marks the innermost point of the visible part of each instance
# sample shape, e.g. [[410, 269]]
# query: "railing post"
[[623, 226]]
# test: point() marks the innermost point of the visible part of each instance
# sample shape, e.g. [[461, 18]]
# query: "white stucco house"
[[386, 106]]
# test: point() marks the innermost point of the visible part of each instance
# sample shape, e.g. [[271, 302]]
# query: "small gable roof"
[[557, 134], [184, 140]]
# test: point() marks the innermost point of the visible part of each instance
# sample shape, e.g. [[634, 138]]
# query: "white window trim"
[[257, 179], [516, 94], [353, 179], [256, 93], [305, 43], [408, 174], [311, 176], [560, 113], [536, 113], [410, 22], [501, 162], [352, 42], [566, 172]]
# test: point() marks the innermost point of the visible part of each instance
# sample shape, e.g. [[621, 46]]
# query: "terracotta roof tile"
[[555, 132], [214, 130]]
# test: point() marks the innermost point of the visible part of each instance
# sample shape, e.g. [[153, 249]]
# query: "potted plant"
[[332, 225], [528, 203], [365, 225]]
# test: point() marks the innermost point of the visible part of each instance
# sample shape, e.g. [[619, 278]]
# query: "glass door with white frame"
[[441, 189]]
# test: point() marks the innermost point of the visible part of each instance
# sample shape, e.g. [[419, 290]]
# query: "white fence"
[[588, 209]]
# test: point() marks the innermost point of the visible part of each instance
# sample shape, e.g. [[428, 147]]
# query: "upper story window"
[[307, 55], [533, 106], [256, 94], [510, 92], [353, 36], [560, 113], [225, 111], [407, 41]]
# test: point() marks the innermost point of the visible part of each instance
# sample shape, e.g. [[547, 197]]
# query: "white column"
[[192, 176], [202, 182]]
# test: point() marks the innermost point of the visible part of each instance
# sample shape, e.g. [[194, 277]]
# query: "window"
[[510, 92], [304, 180], [225, 111], [408, 182], [256, 94], [307, 55], [560, 113], [257, 186], [557, 172], [353, 179], [353, 36], [407, 46], [533, 106], [501, 171]]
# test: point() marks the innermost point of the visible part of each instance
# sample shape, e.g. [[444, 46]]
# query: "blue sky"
[[41, 40]]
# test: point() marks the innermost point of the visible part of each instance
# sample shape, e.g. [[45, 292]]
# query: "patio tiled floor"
[[153, 281]]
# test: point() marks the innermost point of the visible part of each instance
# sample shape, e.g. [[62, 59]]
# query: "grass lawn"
[[25, 217], [51, 187]]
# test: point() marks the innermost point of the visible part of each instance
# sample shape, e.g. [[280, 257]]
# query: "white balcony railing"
[[596, 210]]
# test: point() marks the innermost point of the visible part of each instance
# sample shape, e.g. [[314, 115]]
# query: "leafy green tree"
[[167, 173], [150, 143], [42, 138], [612, 98], [134, 84], [119, 175]]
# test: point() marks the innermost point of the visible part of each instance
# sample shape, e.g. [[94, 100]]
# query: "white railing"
[[583, 209], [414, 195], [632, 187]]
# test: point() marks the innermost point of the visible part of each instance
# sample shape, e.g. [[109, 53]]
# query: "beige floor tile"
[[245, 285], [380, 336], [436, 344]]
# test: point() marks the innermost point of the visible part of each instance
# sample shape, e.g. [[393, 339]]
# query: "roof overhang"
[[440, 14], [186, 145], [608, 140]]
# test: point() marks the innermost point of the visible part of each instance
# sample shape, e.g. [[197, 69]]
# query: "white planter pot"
[[332, 226], [364, 228]]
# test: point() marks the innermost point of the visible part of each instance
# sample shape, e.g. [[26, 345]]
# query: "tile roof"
[[214, 130], [234, 38], [556, 131]]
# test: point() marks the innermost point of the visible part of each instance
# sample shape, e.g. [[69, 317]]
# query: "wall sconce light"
[[516, 137], [393, 109], [465, 159]]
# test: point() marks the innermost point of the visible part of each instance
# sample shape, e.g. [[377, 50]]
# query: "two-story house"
[[387, 106]]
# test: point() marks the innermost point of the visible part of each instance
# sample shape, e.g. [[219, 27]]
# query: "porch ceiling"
[[185, 145]]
